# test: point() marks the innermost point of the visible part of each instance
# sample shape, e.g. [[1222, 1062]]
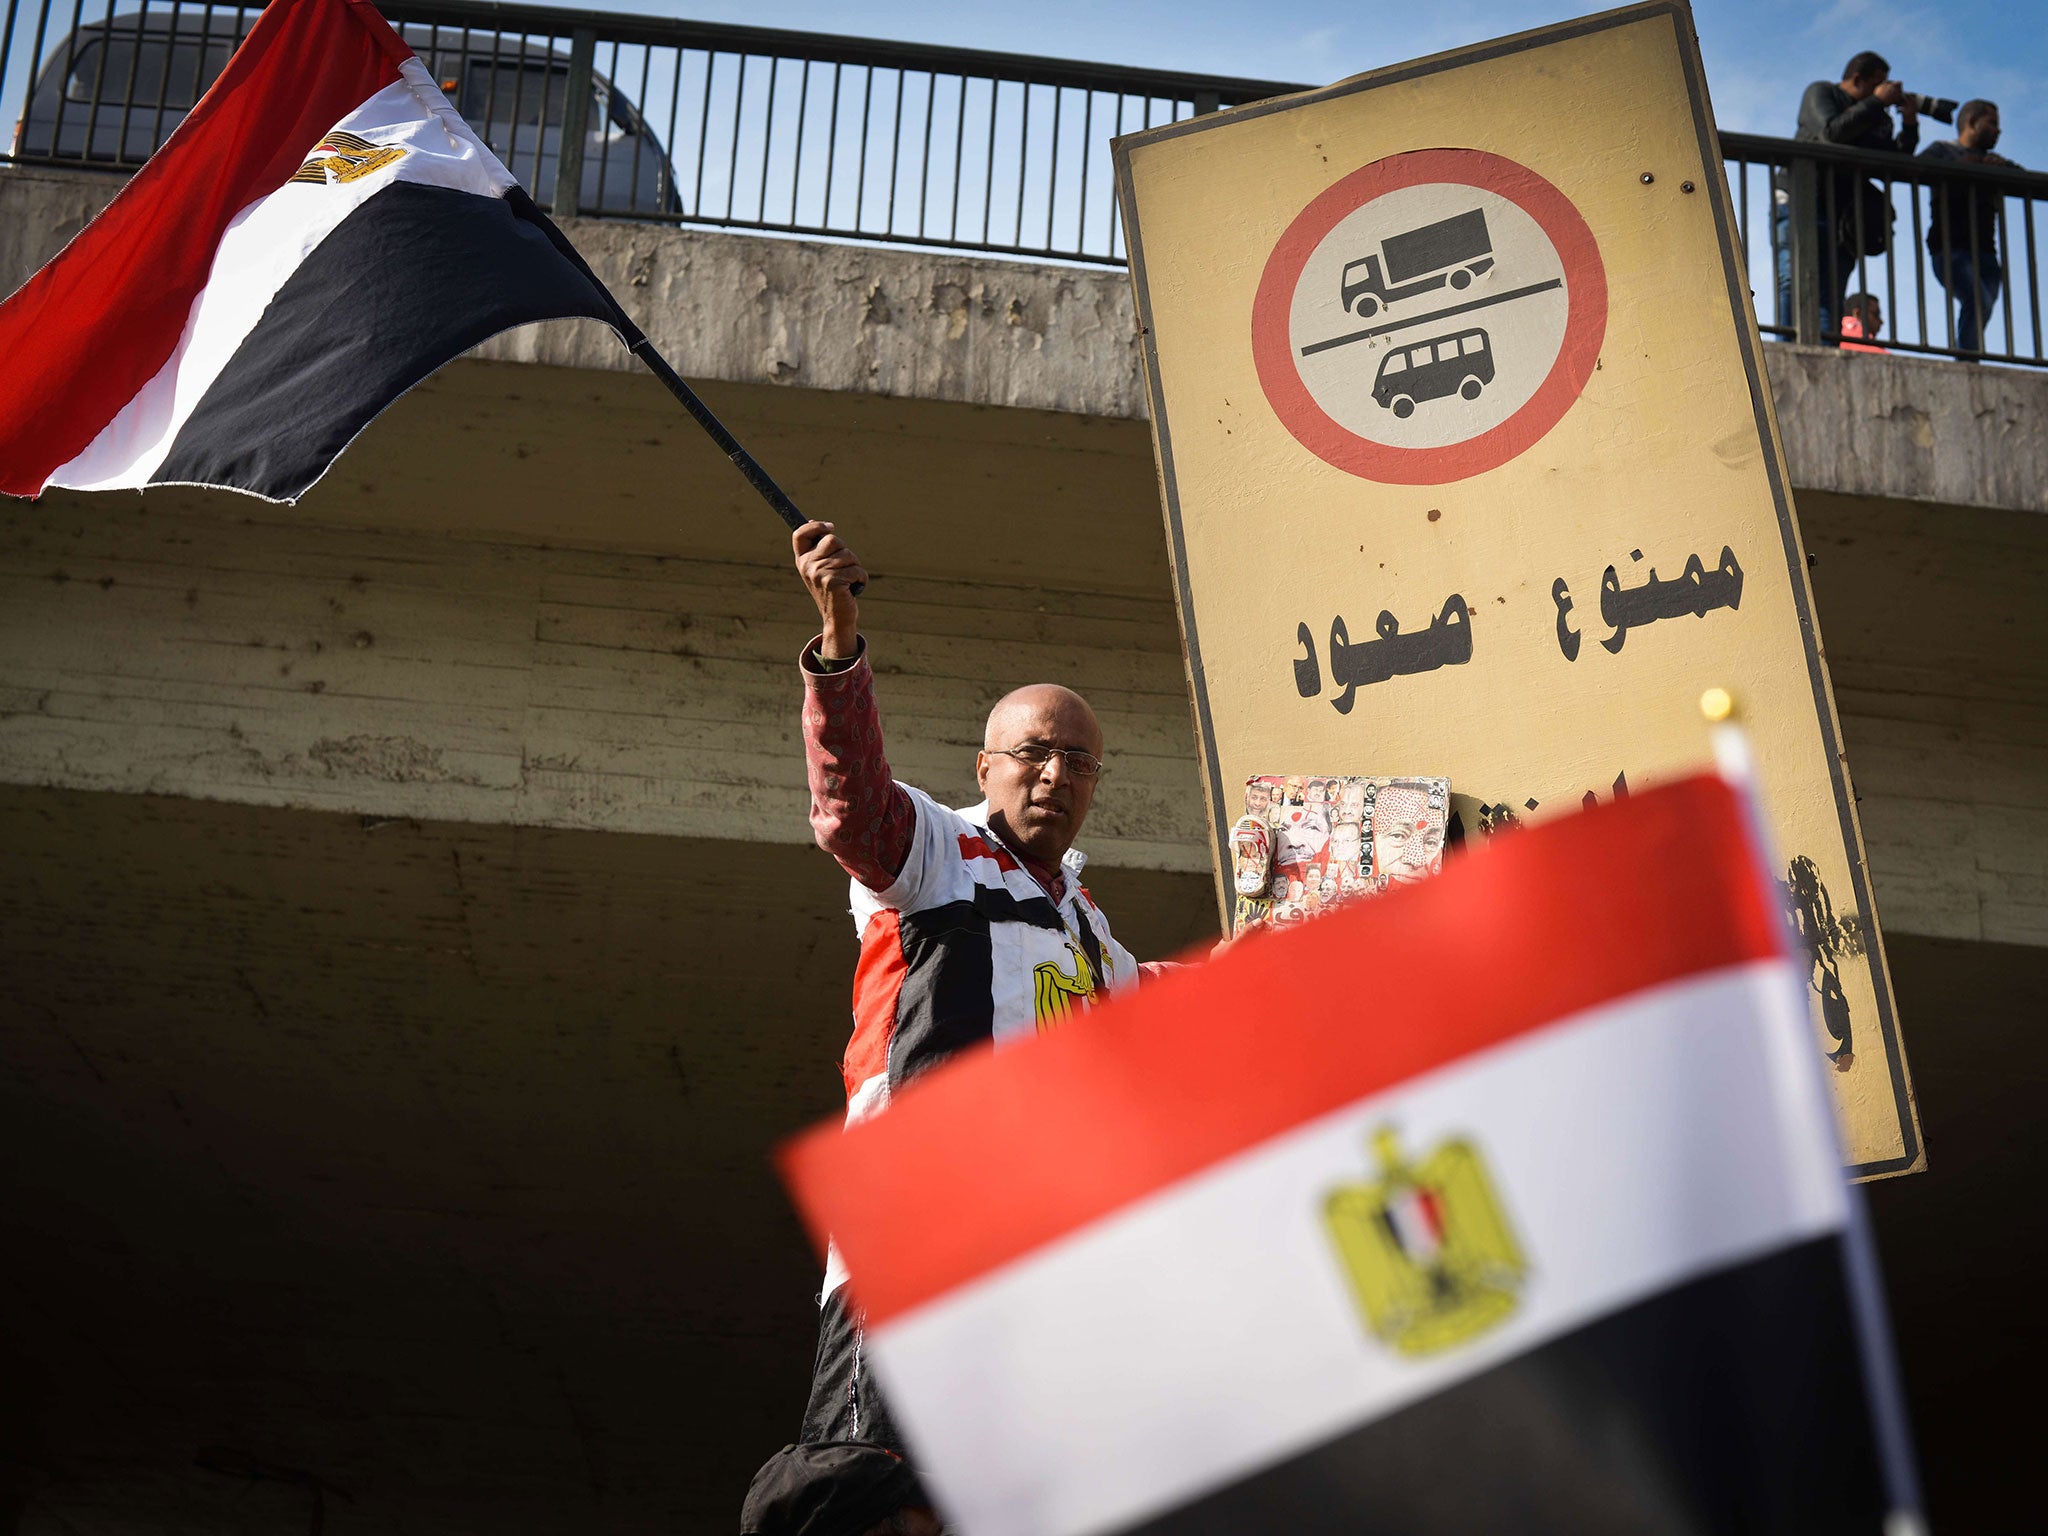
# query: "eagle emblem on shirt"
[[344, 157], [1426, 1247], [1062, 991]]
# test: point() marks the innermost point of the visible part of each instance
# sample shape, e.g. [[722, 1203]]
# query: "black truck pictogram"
[[1453, 251]]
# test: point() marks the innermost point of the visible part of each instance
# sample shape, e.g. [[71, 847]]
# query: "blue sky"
[[1760, 55]]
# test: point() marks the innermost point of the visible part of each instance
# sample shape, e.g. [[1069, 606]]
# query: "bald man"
[[974, 926]]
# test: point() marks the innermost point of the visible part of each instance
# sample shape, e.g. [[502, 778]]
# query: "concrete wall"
[[421, 673], [155, 645]]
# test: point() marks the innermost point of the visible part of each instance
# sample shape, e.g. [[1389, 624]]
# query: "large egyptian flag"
[[319, 234], [1507, 1202]]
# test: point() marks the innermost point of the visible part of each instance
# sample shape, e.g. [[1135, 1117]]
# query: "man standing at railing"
[[1851, 217], [1962, 227]]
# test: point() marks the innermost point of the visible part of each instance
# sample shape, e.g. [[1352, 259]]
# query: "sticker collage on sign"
[[1306, 844]]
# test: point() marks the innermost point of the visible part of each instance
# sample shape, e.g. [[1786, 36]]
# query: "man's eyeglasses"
[[1081, 765]]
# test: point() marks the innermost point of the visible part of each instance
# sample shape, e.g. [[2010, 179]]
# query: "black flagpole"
[[638, 344]]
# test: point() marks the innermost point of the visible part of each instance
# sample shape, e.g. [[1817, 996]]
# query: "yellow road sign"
[[1470, 467]]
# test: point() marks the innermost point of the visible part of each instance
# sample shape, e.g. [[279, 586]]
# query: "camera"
[[1940, 108]]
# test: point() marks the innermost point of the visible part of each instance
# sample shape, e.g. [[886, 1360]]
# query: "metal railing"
[[1949, 251], [799, 133], [854, 139]]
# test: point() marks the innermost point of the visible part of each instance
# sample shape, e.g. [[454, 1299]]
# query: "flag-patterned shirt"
[[960, 942]]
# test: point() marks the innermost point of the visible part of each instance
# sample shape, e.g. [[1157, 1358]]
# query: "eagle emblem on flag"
[[1426, 1247], [343, 157]]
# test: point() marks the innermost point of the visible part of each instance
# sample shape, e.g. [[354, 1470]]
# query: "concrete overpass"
[[410, 941]]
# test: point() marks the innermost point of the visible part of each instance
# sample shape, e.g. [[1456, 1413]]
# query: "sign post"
[[1470, 467]]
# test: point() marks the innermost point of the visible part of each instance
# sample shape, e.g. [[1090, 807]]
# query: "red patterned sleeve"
[[859, 814]]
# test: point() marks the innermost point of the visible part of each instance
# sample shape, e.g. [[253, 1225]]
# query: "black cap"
[[829, 1488]]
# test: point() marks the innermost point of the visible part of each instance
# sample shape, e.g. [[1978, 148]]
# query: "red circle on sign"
[[1585, 323]]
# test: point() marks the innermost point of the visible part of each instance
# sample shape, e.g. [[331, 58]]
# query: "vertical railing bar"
[[831, 146], [640, 112], [1835, 281], [1742, 214], [860, 184], [575, 124], [739, 103], [895, 155], [675, 110], [1803, 230], [988, 194], [28, 89], [518, 110], [704, 131], [2003, 235], [924, 178], [796, 168], [959, 156], [1892, 248], [99, 83], [1773, 242], [64, 79], [1767, 173], [1023, 165], [199, 80], [1052, 180], [1087, 166], [1122, 104], [134, 63], [1891, 281], [1976, 269], [767, 138], [2034, 282], [1919, 269], [602, 127], [35, 64], [547, 95], [1947, 275], [491, 90], [1856, 268]]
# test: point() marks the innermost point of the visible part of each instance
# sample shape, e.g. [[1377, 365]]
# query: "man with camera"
[[1962, 225], [1852, 217]]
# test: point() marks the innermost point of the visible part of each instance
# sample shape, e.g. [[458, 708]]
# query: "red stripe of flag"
[[85, 333], [1002, 1153]]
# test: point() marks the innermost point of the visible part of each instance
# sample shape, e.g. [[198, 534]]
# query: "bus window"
[[1472, 344], [1398, 363], [536, 92], [101, 70]]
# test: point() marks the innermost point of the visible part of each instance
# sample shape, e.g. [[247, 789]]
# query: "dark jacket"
[[1861, 216], [1828, 116], [1954, 212]]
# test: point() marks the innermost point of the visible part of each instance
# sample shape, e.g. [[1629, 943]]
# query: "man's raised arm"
[[859, 814]]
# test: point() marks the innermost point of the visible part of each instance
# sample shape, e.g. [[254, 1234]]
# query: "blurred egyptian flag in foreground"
[[317, 236], [1510, 1201]]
